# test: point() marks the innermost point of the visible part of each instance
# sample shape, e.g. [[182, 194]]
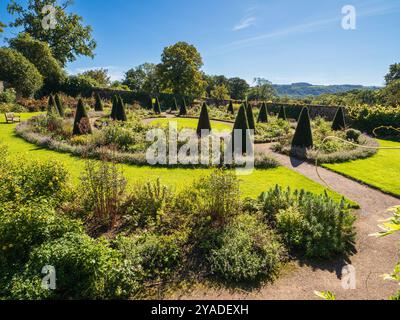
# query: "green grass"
[[251, 186], [186, 123], [381, 171]]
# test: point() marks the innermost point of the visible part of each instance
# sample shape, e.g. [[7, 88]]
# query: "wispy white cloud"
[[245, 23], [306, 27]]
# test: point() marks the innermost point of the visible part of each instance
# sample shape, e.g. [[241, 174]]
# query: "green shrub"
[[8, 96], [246, 250], [147, 204], [26, 227], [23, 181], [85, 269], [158, 256], [223, 205], [353, 135], [317, 226], [102, 192]]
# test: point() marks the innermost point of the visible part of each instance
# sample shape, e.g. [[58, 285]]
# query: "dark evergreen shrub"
[[282, 113], [59, 105], [114, 108], [81, 122], [51, 106], [230, 108], [263, 116], [175, 105], [339, 123], [183, 109], [303, 135], [204, 120], [98, 106], [120, 113], [157, 107], [250, 117], [242, 124]]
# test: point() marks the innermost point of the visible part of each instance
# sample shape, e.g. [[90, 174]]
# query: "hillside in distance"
[[303, 89]]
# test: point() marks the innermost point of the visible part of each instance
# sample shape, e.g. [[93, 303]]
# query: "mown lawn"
[[381, 171], [192, 123], [251, 186]]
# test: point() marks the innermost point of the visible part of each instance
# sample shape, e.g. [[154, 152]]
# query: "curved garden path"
[[371, 259]]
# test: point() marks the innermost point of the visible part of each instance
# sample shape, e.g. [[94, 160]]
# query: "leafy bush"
[[316, 225], [22, 181], [8, 96], [353, 135], [26, 227], [147, 204], [102, 190], [246, 250], [157, 255], [85, 269]]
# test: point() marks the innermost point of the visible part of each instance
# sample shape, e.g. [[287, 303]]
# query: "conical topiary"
[[183, 109], [174, 105], [242, 124], [98, 105], [51, 106], [204, 120], [120, 113], [303, 135], [263, 115], [81, 122], [250, 117], [339, 123], [59, 105], [231, 110], [114, 108], [282, 113], [157, 107]]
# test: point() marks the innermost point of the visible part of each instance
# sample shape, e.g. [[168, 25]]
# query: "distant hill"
[[303, 89]]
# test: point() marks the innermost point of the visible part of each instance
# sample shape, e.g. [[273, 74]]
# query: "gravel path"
[[373, 257]]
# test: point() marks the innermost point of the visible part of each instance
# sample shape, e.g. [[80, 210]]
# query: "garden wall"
[[166, 100]]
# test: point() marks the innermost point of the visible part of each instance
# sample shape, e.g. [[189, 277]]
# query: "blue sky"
[[284, 41]]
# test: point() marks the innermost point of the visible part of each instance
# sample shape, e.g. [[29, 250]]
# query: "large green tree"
[[179, 70], [68, 39], [394, 73], [19, 72], [238, 88], [143, 78], [40, 55], [263, 90], [99, 75]]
